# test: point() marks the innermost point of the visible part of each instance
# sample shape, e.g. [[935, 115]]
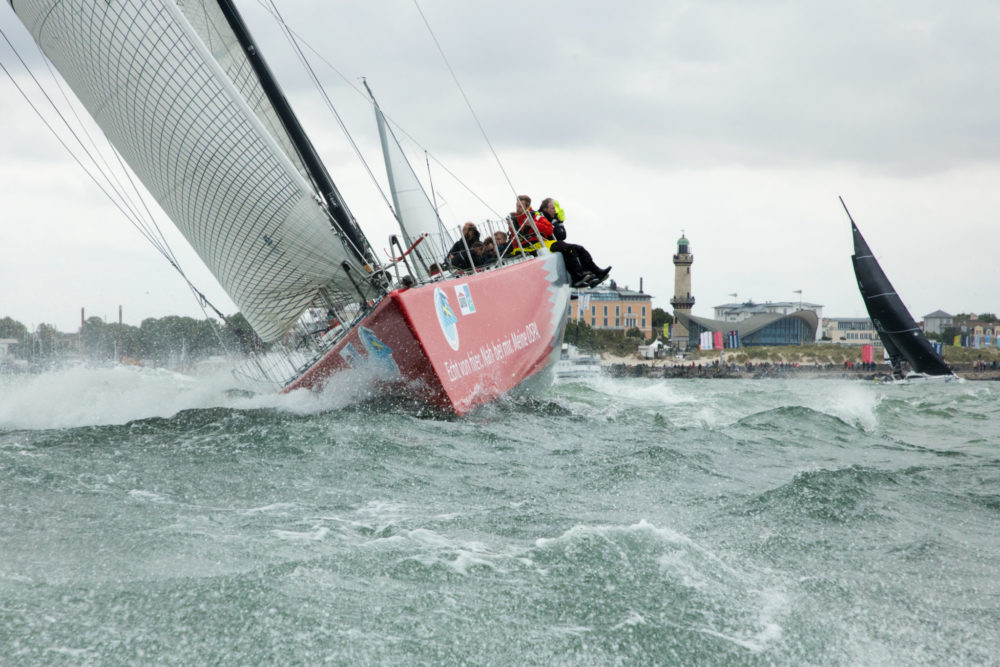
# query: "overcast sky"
[[736, 122]]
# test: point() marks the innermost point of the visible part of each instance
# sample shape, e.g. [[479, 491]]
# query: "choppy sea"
[[148, 517]]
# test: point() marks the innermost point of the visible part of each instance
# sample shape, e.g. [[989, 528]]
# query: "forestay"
[[152, 85]]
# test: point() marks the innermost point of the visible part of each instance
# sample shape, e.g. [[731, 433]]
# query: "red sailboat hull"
[[457, 343]]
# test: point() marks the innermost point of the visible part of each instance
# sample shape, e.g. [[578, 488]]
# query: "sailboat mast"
[[341, 216]]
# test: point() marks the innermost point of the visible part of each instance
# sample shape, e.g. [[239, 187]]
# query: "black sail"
[[900, 334]]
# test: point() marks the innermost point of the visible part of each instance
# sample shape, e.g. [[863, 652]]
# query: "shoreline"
[[664, 368]]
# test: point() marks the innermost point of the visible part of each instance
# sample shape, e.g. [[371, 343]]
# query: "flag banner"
[[717, 339], [706, 340], [867, 354], [958, 341], [666, 330], [976, 342], [986, 342], [734, 339], [938, 347]]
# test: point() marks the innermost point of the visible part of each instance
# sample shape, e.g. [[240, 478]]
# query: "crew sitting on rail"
[[554, 213], [523, 231], [583, 272], [501, 245], [469, 252], [580, 265]]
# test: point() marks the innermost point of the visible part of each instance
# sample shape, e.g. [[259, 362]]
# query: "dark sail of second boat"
[[902, 338]]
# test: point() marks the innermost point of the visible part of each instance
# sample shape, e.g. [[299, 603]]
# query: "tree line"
[[172, 339], [158, 341]]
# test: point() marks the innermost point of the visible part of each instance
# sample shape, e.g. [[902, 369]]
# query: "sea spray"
[[156, 517]]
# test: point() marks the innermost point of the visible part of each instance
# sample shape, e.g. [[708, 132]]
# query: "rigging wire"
[[106, 180], [475, 116], [468, 102], [291, 34], [120, 198]]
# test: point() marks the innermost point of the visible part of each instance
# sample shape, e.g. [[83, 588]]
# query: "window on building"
[[605, 321]]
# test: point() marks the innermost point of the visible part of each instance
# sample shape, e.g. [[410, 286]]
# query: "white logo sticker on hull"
[[465, 303]]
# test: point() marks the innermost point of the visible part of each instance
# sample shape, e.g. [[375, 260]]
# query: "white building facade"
[[851, 331], [738, 312]]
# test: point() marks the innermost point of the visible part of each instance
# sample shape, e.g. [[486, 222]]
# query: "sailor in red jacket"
[[522, 229], [583, 272]]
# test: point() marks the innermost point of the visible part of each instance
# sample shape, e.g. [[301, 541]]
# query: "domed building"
[[763, 329]]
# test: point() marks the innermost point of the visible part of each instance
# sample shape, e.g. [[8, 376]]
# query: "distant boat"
[[573, 364], [902, 338], [182, 92]]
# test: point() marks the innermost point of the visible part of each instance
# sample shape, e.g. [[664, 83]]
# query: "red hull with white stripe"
[[457, 343]]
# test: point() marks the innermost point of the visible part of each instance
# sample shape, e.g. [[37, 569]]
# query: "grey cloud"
[[903, 86]]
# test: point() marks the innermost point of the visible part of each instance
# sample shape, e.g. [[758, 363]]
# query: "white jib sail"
[[166, 105], [414, 209]]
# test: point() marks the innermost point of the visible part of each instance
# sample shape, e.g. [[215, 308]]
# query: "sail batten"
[[201, 144]]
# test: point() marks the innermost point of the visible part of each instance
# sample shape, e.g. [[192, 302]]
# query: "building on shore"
[[794, 328], [850, 331], [737, 312], [973, 329], [937, 322], [613, 308], [682, 300]]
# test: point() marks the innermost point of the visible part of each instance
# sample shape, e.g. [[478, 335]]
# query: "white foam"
[[712, 403], [148, 496], [90, 396], [634, 618], [318, 534], [82, 395], [268, 509], [643, 526], [694, 566]]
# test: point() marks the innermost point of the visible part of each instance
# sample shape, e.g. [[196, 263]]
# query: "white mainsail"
[[414, 210], [208, 21], [155, 89]]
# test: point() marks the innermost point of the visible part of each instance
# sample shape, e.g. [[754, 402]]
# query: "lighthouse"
[[682, 300]]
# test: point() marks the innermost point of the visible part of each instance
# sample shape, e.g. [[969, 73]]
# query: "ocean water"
[[148, 517]]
